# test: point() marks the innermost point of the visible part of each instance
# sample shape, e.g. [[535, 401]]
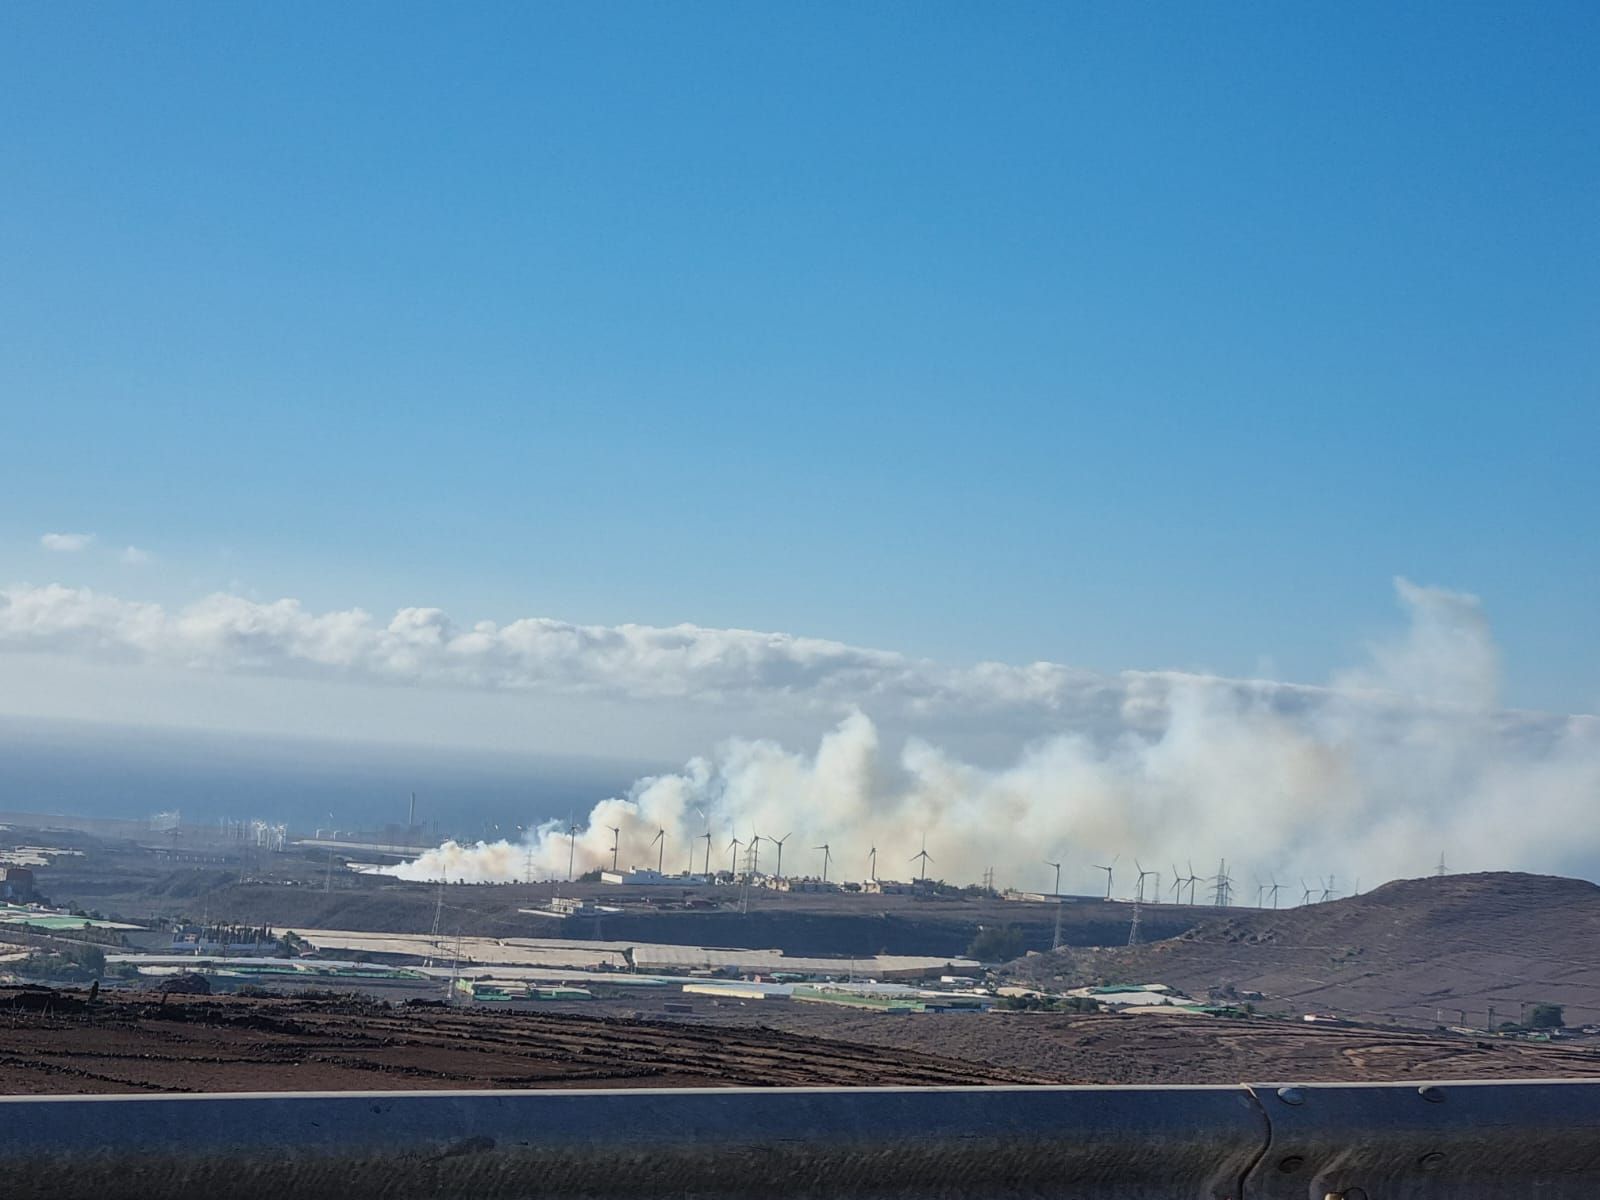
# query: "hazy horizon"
[[94, 769]]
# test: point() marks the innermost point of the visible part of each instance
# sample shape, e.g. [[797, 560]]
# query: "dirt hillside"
[[1413, 950]]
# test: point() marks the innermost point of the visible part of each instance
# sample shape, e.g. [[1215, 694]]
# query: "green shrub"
[[996, 943]]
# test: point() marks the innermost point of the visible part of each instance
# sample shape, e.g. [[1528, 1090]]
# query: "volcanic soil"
[[58, 1042]]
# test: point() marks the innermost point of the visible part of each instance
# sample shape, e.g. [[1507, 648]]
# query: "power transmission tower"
[[1133, 929], [1224, 890]]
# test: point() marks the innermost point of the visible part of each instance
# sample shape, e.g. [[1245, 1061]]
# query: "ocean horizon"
[[87, 769]]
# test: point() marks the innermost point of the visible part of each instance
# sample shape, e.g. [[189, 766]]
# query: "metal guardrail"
[[1464, 1141]]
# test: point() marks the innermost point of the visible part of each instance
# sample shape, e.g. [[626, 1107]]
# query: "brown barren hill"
[[1153, 1048], [57, 1042], [1415, 950]]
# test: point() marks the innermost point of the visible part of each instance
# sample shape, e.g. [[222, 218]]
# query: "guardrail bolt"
[[1431, 1162], [1431, 1094], [1291, 1095]]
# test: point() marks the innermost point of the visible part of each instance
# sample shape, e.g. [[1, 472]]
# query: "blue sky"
[[1118, 336]]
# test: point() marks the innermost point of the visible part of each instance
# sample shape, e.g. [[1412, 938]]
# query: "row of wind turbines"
[[752, 846], [1220, 887]]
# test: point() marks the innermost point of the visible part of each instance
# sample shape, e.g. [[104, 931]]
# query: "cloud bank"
[[424, 646]]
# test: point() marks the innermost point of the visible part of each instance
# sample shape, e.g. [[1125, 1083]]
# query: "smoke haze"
[[1402, 758]]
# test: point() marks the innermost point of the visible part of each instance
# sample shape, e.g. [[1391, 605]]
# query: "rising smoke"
[[1405, 758]]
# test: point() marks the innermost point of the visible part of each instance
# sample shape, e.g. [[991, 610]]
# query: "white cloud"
[[66, 543], [1447, 660], [132, 556]]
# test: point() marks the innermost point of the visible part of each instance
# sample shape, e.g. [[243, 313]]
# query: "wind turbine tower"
[[1055, 942], [661, 854], [1138, 887], [616, 844], [1107, 869], [827, 856], [924, 857], [778, 842]]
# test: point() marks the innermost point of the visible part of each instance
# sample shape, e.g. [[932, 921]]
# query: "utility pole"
[[438, 911], [455, 969]]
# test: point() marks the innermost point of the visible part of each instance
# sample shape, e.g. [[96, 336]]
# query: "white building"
[[644, 876]]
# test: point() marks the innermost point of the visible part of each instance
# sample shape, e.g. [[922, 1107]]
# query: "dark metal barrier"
[[1383, 1142], [1430, 1141]]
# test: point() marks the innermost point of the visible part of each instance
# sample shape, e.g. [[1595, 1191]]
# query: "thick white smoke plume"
[[1369, 779]]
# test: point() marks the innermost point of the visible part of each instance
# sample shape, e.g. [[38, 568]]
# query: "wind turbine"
[[755, 854], [733, 861], [1274, 889], [1177, 883], [1261, 892], [1138, 887], [572, 847], [827, 855], [707, 836], [661, 854], [616, 844], [1327, 891], [778, 842], [1107, 870], [1192, 880], [924, 856], [1057, 866], [1305, 896], [872, 871]]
